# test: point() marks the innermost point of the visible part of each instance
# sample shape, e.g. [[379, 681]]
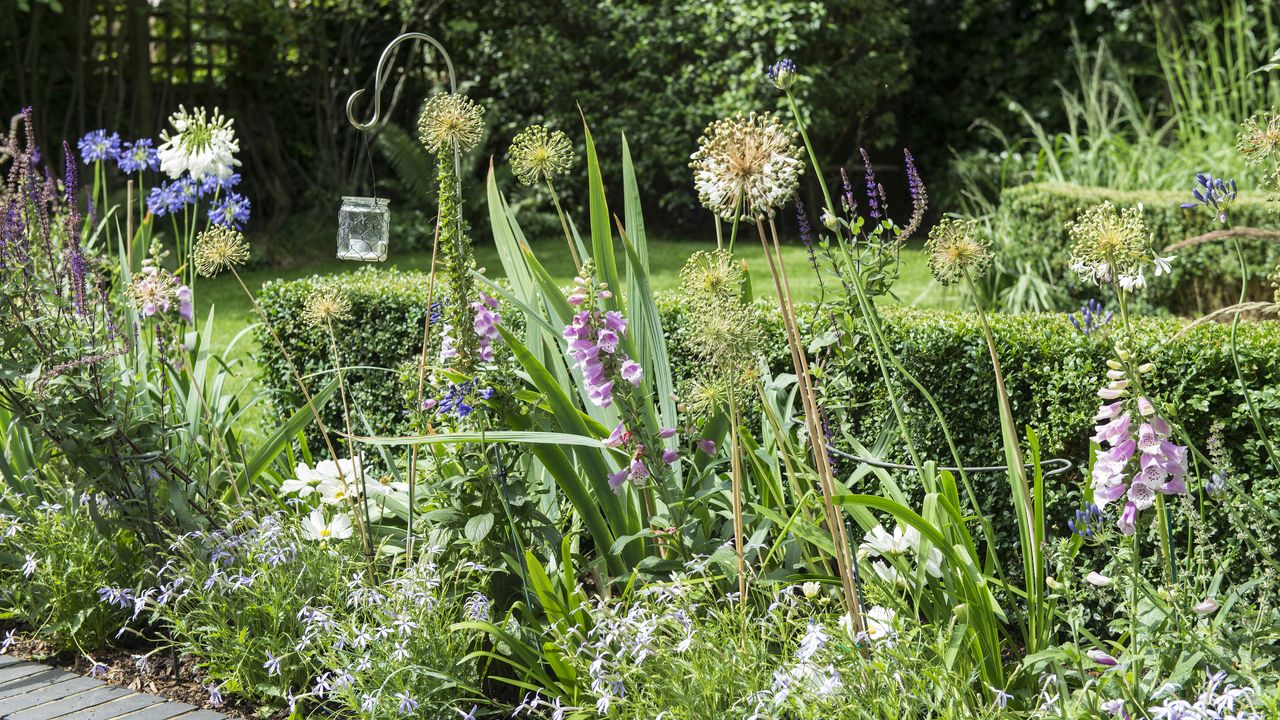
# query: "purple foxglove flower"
[[617, 437], [1101, 657], [1161, 426], [638, 469], [1108, 411], [1175, 486], [1115, 390], [1113, 432], [631, 371], [666, 432], [1141, 495], [1128, 519], [186, 306], [1097, 579], [615, 322], [707, 446], [617, 479], [670, 455], [1148, 443], [607, 340]]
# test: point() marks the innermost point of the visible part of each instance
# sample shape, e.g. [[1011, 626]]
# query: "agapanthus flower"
[[1111, 246], [1260, 138], [138, 156], [219, 249], [231, 211], [199, 145], [1216, 194], [783, 74], [956, 251], [538, 154], [746, 166], [1093, 316], [98, 146], [212, 184], [450, 121], [1087, 523], [164, 199]]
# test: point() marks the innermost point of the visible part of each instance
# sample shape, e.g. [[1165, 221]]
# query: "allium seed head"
[[746, 166], [956, 250], [537, 154], [218, 249], [451, 120], [326, 305]]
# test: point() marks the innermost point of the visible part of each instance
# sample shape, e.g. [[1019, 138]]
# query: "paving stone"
[[71, 703], [115, 708]]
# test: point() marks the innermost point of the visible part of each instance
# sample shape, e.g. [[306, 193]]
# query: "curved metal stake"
[[380, 80]]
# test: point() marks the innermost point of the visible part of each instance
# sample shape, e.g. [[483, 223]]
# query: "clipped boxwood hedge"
[[1053, 373], [1205, 277]]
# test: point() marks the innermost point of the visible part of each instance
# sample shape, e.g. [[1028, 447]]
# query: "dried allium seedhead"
[[326, 305], [451, 121], [538, 154], [218, 249], [955, 251], [746, 166]]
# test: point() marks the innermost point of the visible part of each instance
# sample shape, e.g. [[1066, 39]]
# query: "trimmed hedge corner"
[[1205, 277]]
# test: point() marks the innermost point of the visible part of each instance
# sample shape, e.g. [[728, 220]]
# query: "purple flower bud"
[[707, 446]]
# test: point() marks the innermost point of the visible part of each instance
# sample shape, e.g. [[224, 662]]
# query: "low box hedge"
[[1205, 277], [1053, 374]]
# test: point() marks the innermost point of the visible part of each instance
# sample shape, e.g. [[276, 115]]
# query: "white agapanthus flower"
[[746, 166], [314, 527], [200, 145]]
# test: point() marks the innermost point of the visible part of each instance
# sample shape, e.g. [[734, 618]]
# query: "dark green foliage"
[[1205, 277], [388, 310], [660, 71]]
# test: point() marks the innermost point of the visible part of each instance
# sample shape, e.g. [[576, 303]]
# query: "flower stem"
[[1235, 359]]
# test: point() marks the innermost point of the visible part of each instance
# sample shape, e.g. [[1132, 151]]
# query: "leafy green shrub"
[[1205, 277], [388, 308]]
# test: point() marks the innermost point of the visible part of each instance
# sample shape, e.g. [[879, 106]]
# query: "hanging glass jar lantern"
[[363, 226], [364, 223]]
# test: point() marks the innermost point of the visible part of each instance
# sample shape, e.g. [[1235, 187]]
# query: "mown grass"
[[233, 313]]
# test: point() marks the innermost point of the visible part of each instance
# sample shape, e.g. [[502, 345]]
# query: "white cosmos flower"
[[303, 484], [879, 542], [881, 625], [314, 527], [200, 145]]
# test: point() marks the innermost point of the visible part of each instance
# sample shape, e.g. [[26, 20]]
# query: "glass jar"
[[363, 224]]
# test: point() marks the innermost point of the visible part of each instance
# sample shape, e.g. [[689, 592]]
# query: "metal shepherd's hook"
[[380, 79]]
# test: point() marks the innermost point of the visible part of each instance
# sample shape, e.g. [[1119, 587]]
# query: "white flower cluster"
[[878, 542], [200, 144]]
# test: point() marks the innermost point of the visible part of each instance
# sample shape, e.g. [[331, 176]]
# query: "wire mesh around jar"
[[363, 226]]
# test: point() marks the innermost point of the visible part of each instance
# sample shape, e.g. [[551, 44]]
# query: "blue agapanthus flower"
[[230, 212], [138, 156], [98, 146], [1216, 194], [165, 199], [211, 184]]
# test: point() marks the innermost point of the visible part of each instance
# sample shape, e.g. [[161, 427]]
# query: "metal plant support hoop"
[[1057, 465]]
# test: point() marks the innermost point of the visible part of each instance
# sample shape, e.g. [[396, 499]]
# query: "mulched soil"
[[186, 685]]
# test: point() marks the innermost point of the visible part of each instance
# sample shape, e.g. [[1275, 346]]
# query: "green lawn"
[[233, 312]]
